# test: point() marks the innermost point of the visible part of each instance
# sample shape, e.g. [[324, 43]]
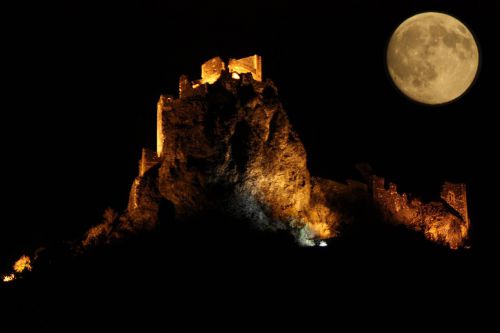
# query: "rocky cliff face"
[[228, 147]]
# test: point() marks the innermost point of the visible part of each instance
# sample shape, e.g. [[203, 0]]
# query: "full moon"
[[432, 58]]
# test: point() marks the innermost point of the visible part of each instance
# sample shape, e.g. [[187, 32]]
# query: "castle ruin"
[[445, 221], [455, 195], [211, 71], [252, 65]]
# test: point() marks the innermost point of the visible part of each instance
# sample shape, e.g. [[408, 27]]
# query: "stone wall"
[[455, 195], [211, 69], [252, 64], [444, 222]]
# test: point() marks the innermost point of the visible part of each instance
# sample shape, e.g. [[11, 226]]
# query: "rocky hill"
[[228, 148]]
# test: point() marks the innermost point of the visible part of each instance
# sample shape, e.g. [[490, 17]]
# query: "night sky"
[[81, 82]]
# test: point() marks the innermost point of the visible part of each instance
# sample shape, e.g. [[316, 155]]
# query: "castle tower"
[[252, 64], [160, 138], [455, 195], [164, 105]]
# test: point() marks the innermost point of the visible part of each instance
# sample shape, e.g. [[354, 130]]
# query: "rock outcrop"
[[230, 147]]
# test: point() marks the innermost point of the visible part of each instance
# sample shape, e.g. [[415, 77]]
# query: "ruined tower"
[[252, 64], [211, 70], [455, 195], [164, 104], [159, 128]]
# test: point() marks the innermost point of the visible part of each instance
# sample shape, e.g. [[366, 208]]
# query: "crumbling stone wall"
[[252, 64], [439, 222], [211, 69]]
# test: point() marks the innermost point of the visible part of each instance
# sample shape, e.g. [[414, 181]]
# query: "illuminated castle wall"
[[445, 221], [455, 195], [164, 105], [252, 64]]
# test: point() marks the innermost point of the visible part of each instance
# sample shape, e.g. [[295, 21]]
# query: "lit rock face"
[[228, 146]]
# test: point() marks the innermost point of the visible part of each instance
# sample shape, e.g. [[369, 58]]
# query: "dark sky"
[[81, 83]]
